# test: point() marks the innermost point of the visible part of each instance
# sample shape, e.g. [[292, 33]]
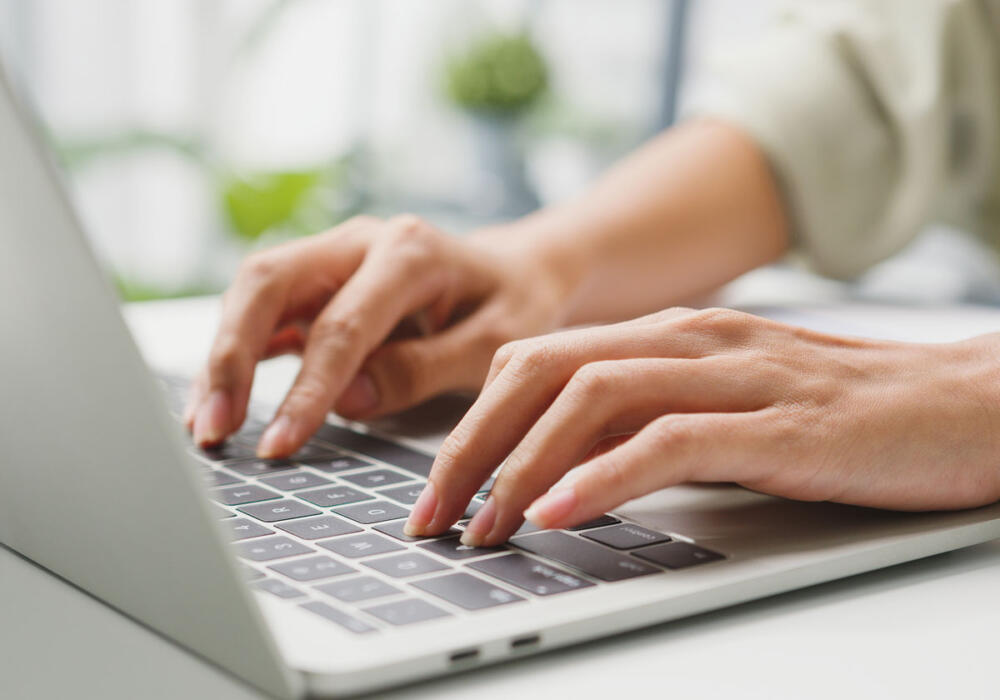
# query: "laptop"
[[295, 575]]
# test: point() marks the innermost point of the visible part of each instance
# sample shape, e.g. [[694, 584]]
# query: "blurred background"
[[194, 131]]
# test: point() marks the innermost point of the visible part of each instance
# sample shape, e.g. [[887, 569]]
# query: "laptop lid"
[[95, 483]]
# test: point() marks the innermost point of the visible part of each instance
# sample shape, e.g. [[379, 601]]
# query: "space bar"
[[592, 559], [382, 450]]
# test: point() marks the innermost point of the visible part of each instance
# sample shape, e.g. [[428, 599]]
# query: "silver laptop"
[[295, 575]]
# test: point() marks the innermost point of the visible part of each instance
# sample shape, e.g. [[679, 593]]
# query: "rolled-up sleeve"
[[877, 117]]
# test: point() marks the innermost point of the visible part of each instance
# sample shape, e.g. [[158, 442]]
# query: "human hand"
[[718, 396], [337, 297]]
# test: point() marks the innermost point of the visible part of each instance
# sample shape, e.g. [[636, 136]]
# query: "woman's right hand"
[[337, 298]]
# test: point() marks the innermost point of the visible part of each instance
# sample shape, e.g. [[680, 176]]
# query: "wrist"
[[557, 265]]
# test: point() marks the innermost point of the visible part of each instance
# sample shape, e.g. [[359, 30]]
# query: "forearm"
[[687, 212]]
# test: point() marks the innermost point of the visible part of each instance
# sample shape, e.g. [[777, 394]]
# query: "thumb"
[[403, 373]]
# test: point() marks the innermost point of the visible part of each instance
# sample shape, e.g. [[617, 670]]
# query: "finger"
[[602, 399], [571, 337], [533, 373], [404, 373], [401, 273], [270, 287], [671, 450]]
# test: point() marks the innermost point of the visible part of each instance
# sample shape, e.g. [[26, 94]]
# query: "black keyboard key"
[[278, 588], [375, 478], [403, 565], [314, 451], [590, 558], [395, 529], [216, 477], [358, 588], [312, 568], [244, 529], [333, 496], [221, 512], [373, 512], [365, 545], [602, 521], [238, 495], [275, 511], [338, 463], [318, 528], [626, 536], [293, 481], [407, 612], [229, 450], [260, 467], [336, 616], [268, 548], [530, 574], [678, 555], [407, 495], [467, 591], [452, 548], [383, 450]]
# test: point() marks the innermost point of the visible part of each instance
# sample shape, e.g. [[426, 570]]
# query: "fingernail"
[[553, 508], [275, 440], [423, 511], [480, 525], [213, 419], [360, 396]]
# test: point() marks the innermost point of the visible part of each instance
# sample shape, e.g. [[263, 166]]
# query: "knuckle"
[[726, 324], [412, 239], [593, 380], [310, 390], [227, 356], [260, 267], [673, 434], [532, 359], [336, 331], [504, 354]]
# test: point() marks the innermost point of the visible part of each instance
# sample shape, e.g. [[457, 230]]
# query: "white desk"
[[926, 629]]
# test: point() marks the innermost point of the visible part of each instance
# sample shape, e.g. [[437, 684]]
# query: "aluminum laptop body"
[[85, 429]]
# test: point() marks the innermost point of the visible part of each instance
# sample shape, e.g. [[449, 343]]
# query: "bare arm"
[[687, 212]]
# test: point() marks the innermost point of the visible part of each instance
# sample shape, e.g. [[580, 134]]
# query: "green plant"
[[500, 74]]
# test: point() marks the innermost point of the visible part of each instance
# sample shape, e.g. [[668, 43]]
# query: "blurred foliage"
[[76, 154], [264, 201], [499, 74], [288, 202], [134, 290]]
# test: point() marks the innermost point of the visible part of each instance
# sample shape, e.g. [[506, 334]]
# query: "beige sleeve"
[[877, 116]]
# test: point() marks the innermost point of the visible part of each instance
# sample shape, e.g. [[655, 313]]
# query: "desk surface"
[[923, 629]]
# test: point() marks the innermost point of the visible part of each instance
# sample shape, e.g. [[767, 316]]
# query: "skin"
[[592, 417]]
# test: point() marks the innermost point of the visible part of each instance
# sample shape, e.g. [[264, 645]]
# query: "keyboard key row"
[[590, 558]]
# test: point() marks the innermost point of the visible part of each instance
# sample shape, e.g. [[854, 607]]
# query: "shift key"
[[592, 559]]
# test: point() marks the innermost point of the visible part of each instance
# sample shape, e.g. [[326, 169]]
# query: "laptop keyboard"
[[324, 530]]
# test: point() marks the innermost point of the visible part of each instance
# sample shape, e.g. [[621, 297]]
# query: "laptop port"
[[464, 656], [526, 642]]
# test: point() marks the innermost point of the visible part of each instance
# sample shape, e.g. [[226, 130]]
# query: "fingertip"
[[553, 509], [279, 440], [212, 420]]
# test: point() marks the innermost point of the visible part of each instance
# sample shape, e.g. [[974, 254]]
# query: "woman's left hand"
[[718, 396]]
